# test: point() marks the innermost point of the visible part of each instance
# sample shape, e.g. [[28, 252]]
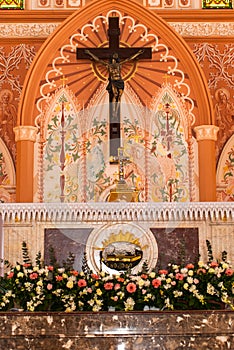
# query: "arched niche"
[[56, 63]]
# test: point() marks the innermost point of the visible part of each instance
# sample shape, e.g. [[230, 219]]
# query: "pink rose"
[[82, 283], [214, 264], [49, 286], [201, 271], [33, 276], [156, 282], [108, 285], [163, 272], [144, 276], [229, 272], [95, 276], [131, 287], [117, 286]]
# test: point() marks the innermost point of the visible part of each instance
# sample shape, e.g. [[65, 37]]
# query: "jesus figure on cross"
[[115, 86]]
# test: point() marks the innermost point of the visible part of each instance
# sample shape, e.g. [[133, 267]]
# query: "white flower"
[[190, 280], [152, 274], [129, 304], [61, 270], [210, 289]]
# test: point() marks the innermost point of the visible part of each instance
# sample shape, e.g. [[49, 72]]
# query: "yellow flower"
[[99, 292], [69, 284]]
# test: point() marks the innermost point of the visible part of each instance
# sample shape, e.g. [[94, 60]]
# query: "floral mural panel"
[[169, 161]]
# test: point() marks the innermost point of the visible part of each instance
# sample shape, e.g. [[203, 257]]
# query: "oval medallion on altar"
[[121, 247]]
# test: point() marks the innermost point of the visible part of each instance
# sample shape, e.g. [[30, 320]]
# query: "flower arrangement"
[[34, 287]]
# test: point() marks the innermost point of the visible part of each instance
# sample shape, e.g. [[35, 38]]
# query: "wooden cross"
[[106, 53]]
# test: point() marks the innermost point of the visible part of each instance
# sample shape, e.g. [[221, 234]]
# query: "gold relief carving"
[[204, 29], [30, 30], [25, 133], [206, 132]]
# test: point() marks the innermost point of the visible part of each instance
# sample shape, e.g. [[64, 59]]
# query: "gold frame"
[[217, 4], [11, 4]]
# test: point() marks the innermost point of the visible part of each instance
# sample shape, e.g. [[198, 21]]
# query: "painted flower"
[[108, 285]]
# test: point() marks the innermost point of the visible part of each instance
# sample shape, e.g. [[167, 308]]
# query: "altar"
[[161, 230]]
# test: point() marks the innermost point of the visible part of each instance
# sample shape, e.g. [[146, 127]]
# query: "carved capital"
[[25, 133], [206, 132]]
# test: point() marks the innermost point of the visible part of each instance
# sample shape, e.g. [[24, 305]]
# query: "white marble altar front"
[[96, 222]]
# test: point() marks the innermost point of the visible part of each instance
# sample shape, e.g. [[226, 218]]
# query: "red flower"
[[10, 275], [95, 276], [190, 266], [156, 282], [120, 279], [75, 273], [214, 264], [108, 285], [50, 268], [26, 265], [59, 278], [131, 287], [82, 283], [163, 272], [117, 286], [179, 276], [229, 272], [201, 271], [144, 276], [33, 276]]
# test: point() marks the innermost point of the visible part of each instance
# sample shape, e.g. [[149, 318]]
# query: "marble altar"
[[151, 330]]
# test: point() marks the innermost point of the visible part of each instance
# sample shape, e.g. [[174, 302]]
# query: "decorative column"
[[25, 137], [206, 136]]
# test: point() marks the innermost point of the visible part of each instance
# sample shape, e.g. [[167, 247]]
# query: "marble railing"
[[117, 211], [30, 221]]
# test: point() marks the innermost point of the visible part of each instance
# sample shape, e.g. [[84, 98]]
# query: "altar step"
[[147, 330]]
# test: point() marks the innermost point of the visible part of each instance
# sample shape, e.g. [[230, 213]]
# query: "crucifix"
[[113, 57]]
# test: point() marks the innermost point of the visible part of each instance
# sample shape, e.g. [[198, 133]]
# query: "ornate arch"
[[56, 61]]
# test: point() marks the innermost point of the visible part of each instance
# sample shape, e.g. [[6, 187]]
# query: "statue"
[[115, 86]]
